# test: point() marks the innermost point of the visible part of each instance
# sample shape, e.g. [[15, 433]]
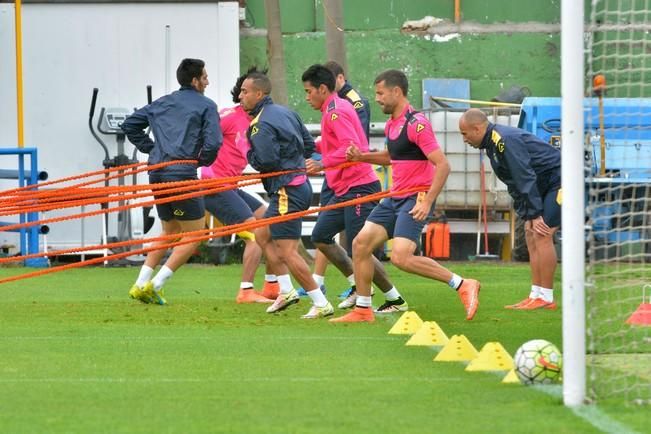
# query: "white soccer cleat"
[[319, 312], [283, 301], [349, 301]]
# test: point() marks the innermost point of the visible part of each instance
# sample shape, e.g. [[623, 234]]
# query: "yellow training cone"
[[407, 324], [492, 357], [458, 349], [429, 334], [511, 378]]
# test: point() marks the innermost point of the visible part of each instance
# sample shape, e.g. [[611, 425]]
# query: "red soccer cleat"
[[469, 294], [358, 314], [250, 296], [520, 304], [271, 290], [539, 303]]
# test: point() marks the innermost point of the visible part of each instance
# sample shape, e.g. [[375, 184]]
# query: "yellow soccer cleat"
[[155, 297], [137, 293]]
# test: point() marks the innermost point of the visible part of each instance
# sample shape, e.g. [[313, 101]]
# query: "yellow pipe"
[[19, 74], [474, 101], [457, 11]]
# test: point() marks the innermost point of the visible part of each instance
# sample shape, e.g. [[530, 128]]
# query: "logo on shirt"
[[358, 105], [179, 212], [254, 130], [419, 128], [334, 117], [500, 147]]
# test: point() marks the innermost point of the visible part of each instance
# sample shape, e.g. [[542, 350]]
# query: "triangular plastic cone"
[[641, 316], [429, 334], [511, 378], [458, 349], [492, 357], [407, 324]]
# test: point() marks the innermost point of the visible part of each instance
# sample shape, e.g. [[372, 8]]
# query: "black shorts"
[[393, 215], [285, 201], [186, 209], [232, 206], [351, 218], [550, 191]]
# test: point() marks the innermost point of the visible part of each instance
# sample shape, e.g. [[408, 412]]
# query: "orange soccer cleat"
[[539, 303], [520, 304], [250, 296], [358, 314], [271, 290], [469, 294]]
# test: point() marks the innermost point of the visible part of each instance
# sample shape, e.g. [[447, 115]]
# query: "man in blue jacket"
[[280, 142], [185, 126], [531, 170]]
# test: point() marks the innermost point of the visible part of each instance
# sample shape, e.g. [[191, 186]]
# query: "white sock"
[[351, 279], [320, 280], [535, 292], [270, 278], [317, 297], [547, 294], [145, 275], [161, 277], [363, 301], [392, 294], [455, 282], [246, 285], [285, 283]]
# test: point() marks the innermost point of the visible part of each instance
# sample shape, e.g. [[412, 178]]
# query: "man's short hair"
[[237, 89], [474, 116], [189, 69], [318, 75], [335, 68], [260, 82], [393, 78]]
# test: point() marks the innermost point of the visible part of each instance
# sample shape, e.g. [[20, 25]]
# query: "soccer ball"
[[538, 362]]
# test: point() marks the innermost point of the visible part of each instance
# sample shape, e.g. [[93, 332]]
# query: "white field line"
[[222, 380], [193, 338], [590, 413]]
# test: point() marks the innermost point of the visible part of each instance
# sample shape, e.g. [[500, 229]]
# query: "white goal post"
[[573, 253]]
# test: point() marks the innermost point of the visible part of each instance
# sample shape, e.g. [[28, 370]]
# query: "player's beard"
[[387, 109]]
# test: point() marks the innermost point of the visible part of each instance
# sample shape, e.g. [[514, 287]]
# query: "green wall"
[[307, 16], [491, 62]]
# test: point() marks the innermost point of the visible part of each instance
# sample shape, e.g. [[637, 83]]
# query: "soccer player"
[[416, 161], [363, 110], [341, 128], [279, 142], [236, 206], [531, 170], [185, 125]]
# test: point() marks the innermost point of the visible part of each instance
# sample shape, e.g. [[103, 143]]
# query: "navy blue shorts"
[[287, 200], [549, 188], [232, 206], [187, 209], [326, 193], [351, 218], [393, 215]]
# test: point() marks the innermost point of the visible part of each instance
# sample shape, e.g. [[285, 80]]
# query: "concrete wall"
[[533, 60], [307, 16], [68, 49]]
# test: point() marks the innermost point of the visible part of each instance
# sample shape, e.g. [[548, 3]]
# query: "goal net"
[[618, 189]]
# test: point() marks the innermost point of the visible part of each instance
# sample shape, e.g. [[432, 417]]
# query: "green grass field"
[[76, 355]]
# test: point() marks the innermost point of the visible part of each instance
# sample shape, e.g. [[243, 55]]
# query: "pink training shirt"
[[231, 159], [340, 128], [412, 173]]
